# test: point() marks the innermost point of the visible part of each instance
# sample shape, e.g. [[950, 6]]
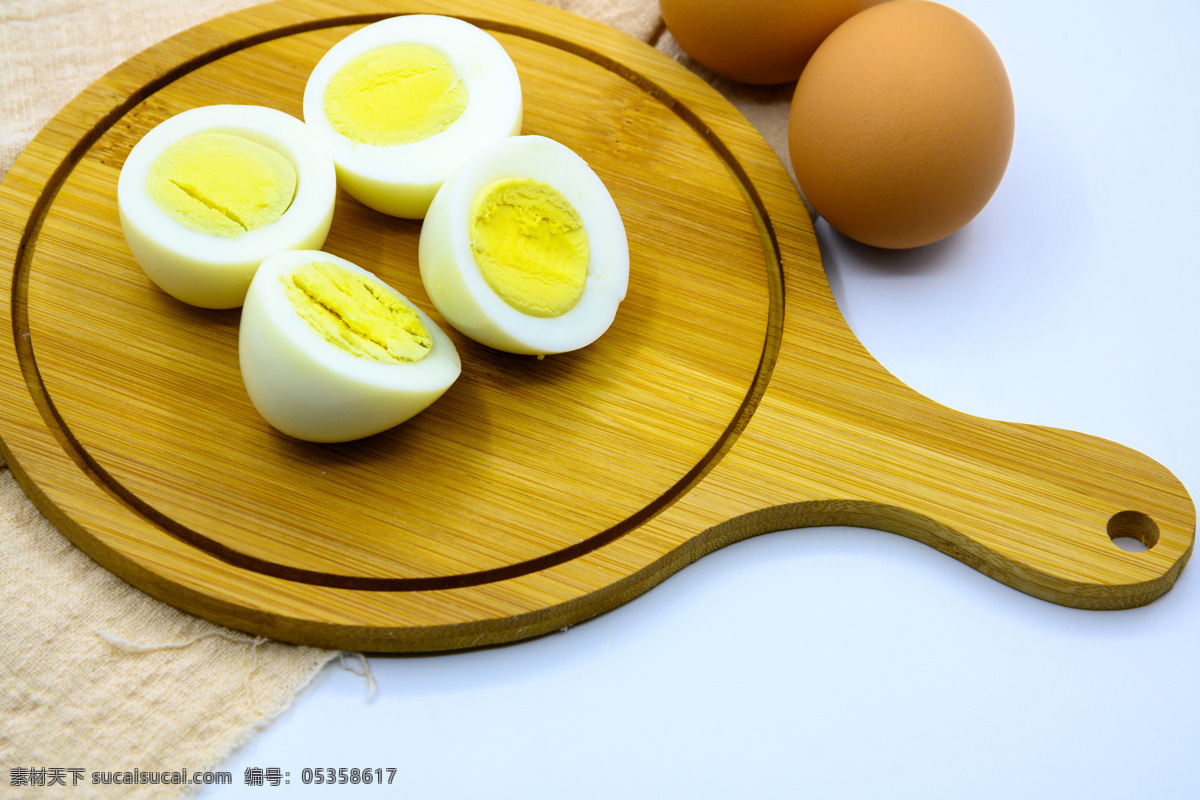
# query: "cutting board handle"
[[1037, 508]]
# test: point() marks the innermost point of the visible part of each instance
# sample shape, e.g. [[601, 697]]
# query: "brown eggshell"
[[901, 126], [755, 41]]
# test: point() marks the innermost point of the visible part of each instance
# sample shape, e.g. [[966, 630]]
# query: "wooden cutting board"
[[729, 398]]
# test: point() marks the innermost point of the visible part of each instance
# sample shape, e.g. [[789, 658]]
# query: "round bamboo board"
[[728, 399]]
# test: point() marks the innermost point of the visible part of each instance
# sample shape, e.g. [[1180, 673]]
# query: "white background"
[[846, 663]]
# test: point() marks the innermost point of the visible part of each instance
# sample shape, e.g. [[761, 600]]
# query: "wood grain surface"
[[728, 399]]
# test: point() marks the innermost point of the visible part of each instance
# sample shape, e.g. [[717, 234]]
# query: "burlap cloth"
[[95, 675]]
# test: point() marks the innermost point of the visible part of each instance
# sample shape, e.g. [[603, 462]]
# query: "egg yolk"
[[530, 246], [221, 184], [396, 94], [357, 313]]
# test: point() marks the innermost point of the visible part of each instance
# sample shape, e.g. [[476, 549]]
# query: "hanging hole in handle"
[[1132, 531]]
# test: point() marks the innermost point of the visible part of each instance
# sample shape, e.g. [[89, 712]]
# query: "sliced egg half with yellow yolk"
[[330, 353], [209, 193], [524, 250], [403, 101]]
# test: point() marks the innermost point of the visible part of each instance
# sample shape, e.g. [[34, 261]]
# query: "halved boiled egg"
[[403, 101], [524, 250], [209, 193], [330, 353]]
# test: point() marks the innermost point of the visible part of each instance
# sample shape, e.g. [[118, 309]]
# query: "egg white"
[[310, 389], [458, 289], [214, 271], [401, 180]]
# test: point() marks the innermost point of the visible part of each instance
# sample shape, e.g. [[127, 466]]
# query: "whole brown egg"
[[901, 126], [760, 41]]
